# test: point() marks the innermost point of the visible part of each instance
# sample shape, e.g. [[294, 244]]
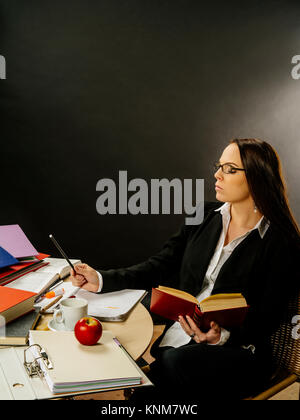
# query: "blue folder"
[[6, 259]]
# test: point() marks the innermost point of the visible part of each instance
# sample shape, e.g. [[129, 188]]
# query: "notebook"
[[81, 368]]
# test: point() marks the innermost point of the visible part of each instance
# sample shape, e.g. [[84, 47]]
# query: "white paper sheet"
[[111, 305]]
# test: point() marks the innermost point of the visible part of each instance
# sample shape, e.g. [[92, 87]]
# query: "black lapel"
[[236, 272]]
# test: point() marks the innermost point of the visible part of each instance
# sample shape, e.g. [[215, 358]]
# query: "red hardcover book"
[[228, 310], [15, 303]]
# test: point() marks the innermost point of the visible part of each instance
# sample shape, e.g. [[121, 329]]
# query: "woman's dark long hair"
[[267, 186]]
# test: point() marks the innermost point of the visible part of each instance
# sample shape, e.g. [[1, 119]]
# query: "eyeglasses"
[[227, 168]]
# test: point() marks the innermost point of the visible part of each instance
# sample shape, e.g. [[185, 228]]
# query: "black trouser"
[[201, 371]]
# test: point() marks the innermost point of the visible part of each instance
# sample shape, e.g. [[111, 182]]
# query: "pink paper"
[[14, 241]]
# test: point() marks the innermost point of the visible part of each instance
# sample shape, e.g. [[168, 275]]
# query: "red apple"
[[88, 330]]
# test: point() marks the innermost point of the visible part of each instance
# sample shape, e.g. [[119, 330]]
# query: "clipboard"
[[22, 375]]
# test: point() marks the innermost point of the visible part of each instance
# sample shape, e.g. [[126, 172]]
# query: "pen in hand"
[[61, 250], [64, 255]]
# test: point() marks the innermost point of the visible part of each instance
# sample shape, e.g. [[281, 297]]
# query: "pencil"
[[61, 251], [51, 304]]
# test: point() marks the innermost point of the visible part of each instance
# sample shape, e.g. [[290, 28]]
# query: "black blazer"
[[265, 270]]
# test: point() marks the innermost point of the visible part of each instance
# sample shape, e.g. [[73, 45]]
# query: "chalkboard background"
[[156, 88]]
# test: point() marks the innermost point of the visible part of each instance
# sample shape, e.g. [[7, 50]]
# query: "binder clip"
[[33, 368]]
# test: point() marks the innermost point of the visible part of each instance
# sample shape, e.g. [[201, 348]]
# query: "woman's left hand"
[[189, 326]]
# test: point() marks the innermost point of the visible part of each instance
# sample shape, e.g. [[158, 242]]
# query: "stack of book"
[[17, 255], [17, 306], [25, 275]]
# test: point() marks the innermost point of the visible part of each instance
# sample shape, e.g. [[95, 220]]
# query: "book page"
[[223, 301], [58, 265], [179, 293], [35, 281]]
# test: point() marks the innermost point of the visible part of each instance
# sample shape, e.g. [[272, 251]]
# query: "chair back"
[[286, 340]]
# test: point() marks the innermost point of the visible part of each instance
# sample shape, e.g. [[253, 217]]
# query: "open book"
[[41, 280], [58, 266], [228, 310]]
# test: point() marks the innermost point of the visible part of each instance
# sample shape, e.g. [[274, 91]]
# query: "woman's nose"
[[218, 174]]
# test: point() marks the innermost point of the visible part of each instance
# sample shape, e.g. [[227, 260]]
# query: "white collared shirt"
[[175, 335]]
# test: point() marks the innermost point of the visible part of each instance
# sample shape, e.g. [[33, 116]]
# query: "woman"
[[249, 245]]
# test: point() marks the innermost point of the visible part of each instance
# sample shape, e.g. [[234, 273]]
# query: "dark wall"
[[156, 88]]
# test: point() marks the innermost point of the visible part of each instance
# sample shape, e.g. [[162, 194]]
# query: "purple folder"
[[14, 241]]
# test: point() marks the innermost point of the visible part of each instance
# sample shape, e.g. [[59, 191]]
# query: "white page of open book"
[[33, 282], [111, 304], [56, 265]]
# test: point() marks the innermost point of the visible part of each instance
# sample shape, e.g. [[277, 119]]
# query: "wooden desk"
[[135, 333]]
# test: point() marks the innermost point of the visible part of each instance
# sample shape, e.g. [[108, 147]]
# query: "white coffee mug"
[[70, 311]]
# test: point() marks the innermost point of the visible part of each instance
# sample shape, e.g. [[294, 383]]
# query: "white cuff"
[[100, 282], [223, 338]]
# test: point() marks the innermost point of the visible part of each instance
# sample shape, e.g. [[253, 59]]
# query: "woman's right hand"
[[85, 277]]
